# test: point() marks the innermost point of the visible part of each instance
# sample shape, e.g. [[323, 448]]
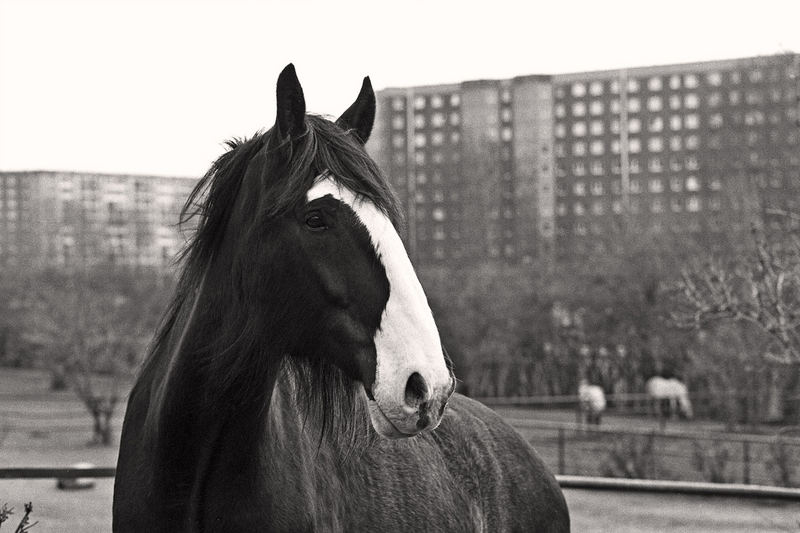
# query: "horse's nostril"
[[416, 390]]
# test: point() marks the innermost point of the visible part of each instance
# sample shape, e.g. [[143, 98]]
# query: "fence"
[[576, 449]]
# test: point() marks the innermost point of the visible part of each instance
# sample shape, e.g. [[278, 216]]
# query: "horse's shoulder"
[[496, 464]]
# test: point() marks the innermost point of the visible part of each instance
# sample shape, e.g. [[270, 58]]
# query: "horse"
[[297, 381], [592, 401], [672, 392]]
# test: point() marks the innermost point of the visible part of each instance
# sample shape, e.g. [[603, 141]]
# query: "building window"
[[657, 205], [634, 105], [596, 88], [654, 103], [675, 122], [560, 130], [419, 102], [597, 147], [675, 143], [692, 184], [675, 82], [734, 97], [438, 214], [613, 86], [437, 120], [655, 144], [655, 185], [633, 165], [597, 207], [597, 168], [615, 146], [596, 108], [579, 148], [634, 146], [398, 103], [615, 126], [691, 163], [398, 122], [635, 186], [597, 188], [436, 101], [455, 100], [560, 111], [692, 142], [634, 125], [693, 204], [614, 106], [655, 124], [654, 83], [398, 140], [676, 184], [715, 99], [561, 209], [578, 109], [579, 188], [505, 114], [437, 138], [714, 78], [505, 96], [691, 101], [616, 206], [654, 165], [506, 134], [578, 168], [596, 127], [578, 90], [579, 129], [674, 102], [715, 121], [633, 85], [455, 119], [420, 140], [419, 121], [690, 81]]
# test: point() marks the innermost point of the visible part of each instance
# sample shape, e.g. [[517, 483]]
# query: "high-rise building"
[[565, 165], [472, 164], [693, 151], [73, 219]]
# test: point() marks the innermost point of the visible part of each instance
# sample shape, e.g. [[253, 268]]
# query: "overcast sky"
[[155, 86]]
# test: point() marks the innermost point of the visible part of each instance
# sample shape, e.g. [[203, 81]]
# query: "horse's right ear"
[[291, 108]]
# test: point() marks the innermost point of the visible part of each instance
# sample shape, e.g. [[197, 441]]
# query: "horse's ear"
[[291, 109], [360, 116]]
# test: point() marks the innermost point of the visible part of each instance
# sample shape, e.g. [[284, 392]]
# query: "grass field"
[[48, 429]]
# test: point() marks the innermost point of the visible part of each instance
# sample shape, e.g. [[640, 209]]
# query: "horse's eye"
[[314, 221]]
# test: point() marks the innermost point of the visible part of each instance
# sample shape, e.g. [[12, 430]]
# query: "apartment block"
[[71, 219], [563, 166]]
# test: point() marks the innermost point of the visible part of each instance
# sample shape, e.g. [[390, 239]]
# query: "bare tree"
[[92, 328], [762, 290]]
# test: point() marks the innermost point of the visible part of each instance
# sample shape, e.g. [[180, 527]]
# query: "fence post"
[[746, 462], [561, 444]]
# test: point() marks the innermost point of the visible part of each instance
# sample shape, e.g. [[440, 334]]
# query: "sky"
[[157, 86]]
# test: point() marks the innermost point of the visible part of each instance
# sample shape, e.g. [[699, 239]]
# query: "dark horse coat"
[[297, 382]]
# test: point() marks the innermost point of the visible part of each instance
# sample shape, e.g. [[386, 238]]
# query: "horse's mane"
[[289, 169]]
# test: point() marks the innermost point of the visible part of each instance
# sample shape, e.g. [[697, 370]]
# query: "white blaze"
[[407, 340]]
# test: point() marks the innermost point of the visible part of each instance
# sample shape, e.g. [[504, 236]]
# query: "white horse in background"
[[672, 390], [592, 402]]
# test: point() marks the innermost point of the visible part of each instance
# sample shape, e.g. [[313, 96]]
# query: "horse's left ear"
[[360, 116], [291, 105]]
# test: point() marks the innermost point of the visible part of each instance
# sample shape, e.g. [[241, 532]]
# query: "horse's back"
[[504, 476]]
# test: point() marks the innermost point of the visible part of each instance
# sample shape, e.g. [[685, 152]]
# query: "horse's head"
[[312, 249]]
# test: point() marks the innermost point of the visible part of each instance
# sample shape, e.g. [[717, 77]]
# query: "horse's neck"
[[203, 436]]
